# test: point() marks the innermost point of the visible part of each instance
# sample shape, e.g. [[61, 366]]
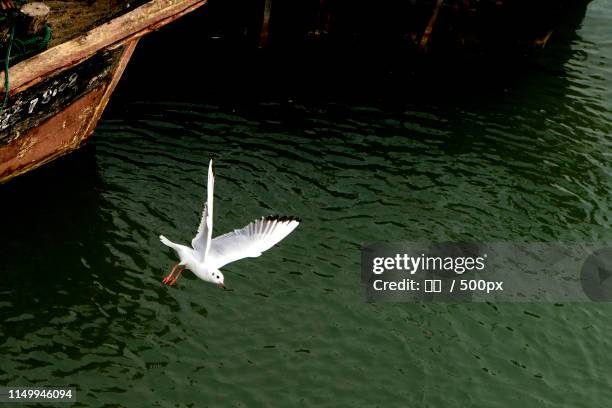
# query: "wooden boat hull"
[[58, 97], [58, 115]]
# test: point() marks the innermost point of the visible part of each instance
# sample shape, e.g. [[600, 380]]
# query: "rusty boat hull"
[[57, 97]]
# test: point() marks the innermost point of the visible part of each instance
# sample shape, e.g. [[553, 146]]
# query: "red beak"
[[222, 286]]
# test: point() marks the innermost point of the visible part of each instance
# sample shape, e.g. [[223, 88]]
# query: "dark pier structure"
[[413, 25], [249, 49]]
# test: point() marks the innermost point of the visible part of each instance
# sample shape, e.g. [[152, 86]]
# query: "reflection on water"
[[525, 160]]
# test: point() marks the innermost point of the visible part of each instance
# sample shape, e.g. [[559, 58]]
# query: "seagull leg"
[[167, 278], [178, 274]]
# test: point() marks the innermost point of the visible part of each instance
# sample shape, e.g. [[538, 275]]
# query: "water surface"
[[523, 157]]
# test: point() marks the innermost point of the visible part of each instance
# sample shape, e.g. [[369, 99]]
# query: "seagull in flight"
[[206, 255]]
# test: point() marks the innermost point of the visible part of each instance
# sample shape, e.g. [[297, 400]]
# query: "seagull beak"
[[222, 286]]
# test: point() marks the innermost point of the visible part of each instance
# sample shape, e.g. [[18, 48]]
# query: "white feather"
[[250, 241], [201, 242]]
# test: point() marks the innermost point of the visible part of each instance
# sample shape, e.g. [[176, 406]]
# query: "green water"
[[525, 159]]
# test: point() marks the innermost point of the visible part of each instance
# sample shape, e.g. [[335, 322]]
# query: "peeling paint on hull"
[[64, 131], [58, 96]]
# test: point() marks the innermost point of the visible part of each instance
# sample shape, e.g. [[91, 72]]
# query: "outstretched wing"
[[250, 241], [202, 240]]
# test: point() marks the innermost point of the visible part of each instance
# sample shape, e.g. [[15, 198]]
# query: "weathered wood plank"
[[71, 18], [133, 24]]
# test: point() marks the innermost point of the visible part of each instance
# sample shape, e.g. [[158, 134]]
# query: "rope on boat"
[[6, 68], [29, 46], [24, 48]]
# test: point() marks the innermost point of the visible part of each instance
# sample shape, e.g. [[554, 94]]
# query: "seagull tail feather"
[[167, 242]]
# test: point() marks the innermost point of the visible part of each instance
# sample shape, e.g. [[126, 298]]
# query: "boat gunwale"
[[114, 33]]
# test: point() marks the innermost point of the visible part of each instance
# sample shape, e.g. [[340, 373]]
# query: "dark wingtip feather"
[[282, 218]]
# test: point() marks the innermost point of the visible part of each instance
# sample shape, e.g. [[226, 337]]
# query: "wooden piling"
[[430, 25], [265, 25]]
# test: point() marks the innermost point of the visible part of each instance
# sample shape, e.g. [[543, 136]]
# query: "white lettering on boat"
[[46, 96]]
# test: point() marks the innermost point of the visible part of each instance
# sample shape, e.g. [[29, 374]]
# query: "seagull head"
[[219, 279]]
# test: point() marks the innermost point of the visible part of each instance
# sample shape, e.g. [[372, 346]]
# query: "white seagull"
[[207, 255]]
